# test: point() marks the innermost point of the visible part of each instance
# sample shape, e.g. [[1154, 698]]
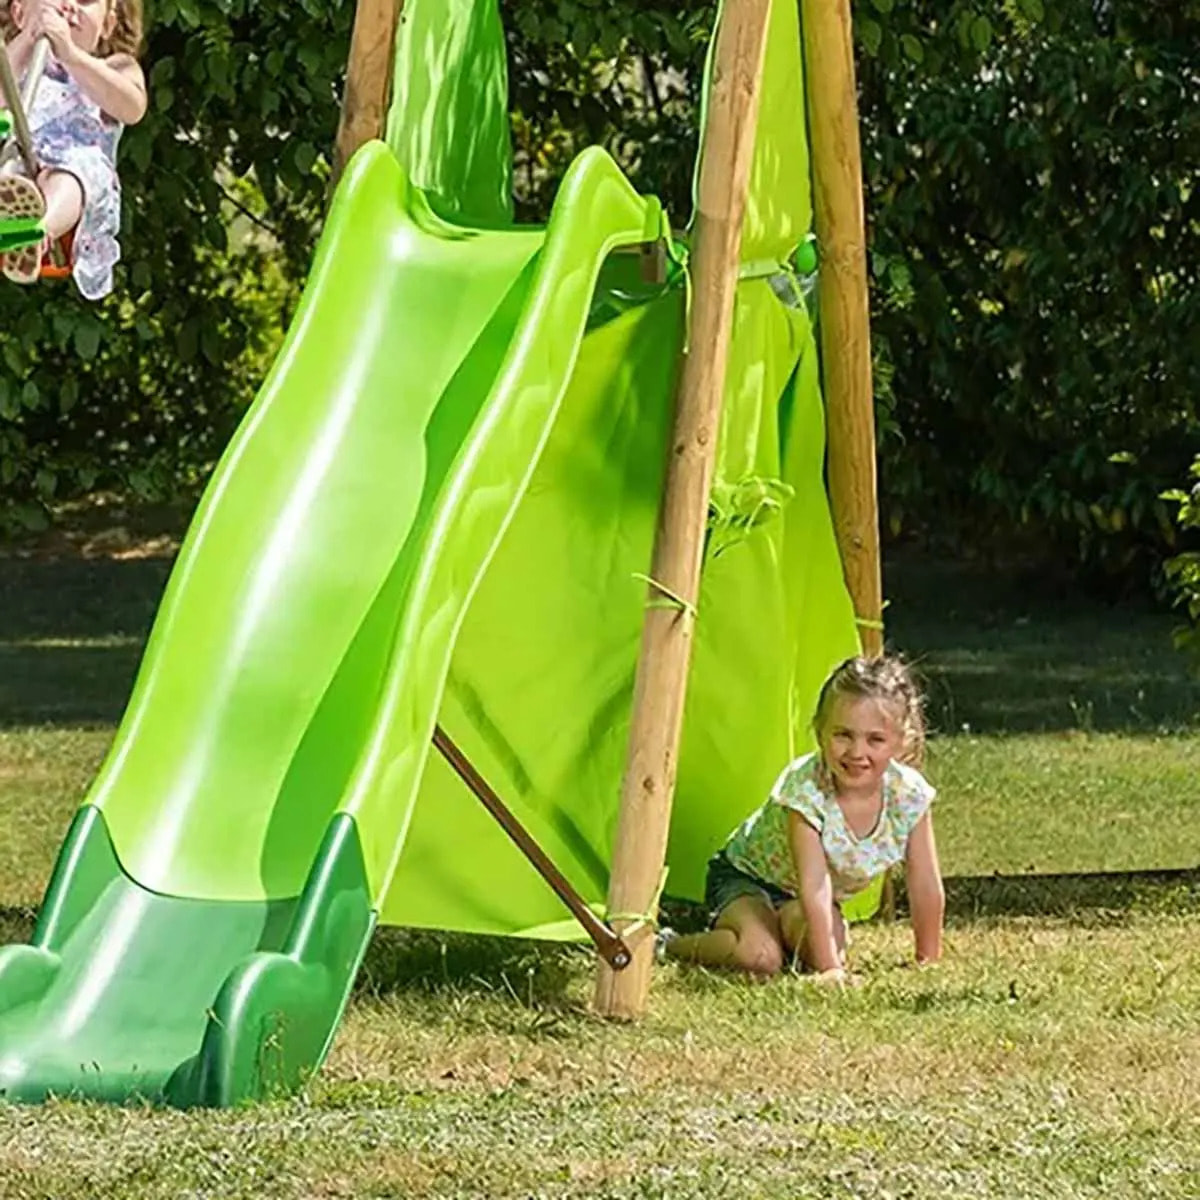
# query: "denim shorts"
[[726, 883]]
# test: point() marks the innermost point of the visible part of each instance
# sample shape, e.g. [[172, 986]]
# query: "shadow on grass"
[[535, 974], [73, 635], [16, 925], [539, 976], [1024, 653], [1105, 894], [999, 652]]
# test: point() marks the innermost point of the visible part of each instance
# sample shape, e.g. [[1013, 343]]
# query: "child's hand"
[[51, 19], [58, 31], [837, 977]]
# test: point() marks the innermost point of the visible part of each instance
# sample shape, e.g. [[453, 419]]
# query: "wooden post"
[[844, 306], [368, 79], [661, 685]]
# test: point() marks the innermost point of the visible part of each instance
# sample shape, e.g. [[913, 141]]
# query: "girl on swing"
[[92, 88]]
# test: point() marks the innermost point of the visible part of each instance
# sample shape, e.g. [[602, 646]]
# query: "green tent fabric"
[[437, 509], [448, 122]]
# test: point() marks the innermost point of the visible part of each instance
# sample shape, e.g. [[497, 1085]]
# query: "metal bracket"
[[654, 262]]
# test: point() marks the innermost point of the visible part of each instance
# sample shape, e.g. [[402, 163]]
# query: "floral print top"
[[760, 845]]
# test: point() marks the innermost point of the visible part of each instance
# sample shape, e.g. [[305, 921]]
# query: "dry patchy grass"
[[1038, 1061]]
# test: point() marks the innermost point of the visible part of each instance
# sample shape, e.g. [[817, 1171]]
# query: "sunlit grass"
[[1041, 1060], [1054, 1054]]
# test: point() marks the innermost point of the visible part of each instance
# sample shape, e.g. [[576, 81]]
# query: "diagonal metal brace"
[[610, 946]]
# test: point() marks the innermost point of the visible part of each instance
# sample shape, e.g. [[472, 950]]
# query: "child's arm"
[[19, 50], [815, 889], [926, 896], [115, 83]]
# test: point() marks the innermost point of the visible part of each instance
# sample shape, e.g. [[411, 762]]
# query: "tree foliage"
[[1183, 570], [623, 74], [223, 184], [1035, 247], [1034, 241]]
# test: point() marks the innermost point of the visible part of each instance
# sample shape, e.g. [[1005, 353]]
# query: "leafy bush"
[[223, 190], [1034, 246], [1034, 241], [624, 74], [1035, 251], [1184, 569]]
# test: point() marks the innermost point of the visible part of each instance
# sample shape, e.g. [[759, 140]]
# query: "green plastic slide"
[[435, 511]]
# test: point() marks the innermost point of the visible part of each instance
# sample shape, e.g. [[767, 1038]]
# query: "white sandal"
[[21, 197]]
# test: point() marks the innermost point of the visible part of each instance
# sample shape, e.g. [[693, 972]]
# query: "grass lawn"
[[1054, 1054]]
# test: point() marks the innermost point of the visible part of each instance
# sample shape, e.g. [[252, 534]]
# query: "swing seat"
[[59, 259], [19, 232]]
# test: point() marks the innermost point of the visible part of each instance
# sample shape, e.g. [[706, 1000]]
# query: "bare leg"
[[746, 937], [795, 933], [64, 201]]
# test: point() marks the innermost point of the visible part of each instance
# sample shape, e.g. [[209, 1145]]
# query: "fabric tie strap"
[[670, 599], [640, 921]]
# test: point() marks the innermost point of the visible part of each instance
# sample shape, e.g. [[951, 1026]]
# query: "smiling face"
[[859, 736]]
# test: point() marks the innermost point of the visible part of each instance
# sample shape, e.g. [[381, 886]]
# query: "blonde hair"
[[888, 681], [128, 30], [126, 37]]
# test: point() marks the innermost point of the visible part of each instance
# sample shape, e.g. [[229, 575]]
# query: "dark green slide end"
[[127, 995]]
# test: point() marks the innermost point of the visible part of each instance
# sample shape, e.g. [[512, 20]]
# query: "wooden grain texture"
[[844, 306], [368, 78], [649, 781]]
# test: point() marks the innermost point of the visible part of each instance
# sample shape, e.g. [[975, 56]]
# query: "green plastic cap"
[[807, 258]]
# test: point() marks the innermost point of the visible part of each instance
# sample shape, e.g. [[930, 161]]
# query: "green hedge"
[[1035, 245], [1183, 571], [140, 393], [1034, 239]]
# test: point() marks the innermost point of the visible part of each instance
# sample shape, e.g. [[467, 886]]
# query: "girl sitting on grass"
[[835, 820]]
